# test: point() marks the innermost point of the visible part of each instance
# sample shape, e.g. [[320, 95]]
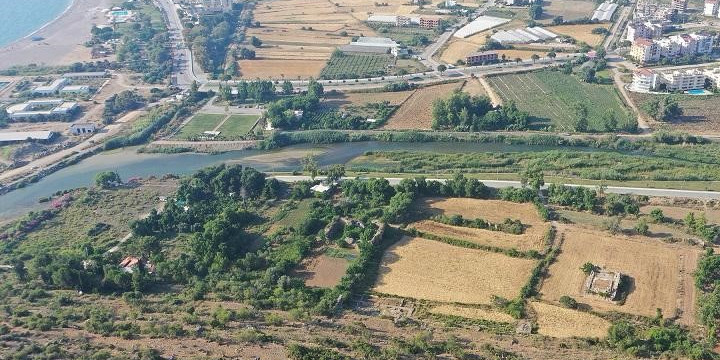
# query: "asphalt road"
[[498, 184]]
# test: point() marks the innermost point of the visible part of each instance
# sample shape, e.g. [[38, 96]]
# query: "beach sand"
[[63, 38]]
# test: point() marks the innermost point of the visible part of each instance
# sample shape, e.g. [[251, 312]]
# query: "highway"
[[499, 184]]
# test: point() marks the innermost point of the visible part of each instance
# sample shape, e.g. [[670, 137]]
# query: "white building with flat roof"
[[19, 136], [51, 89], [41, 108], [683, 80], [714, 76], [75, 89], [644, 80]]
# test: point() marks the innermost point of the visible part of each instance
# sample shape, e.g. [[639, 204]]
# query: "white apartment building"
[[714, 76], [711, 8], [646, 50], [643, 29], [644, 80], [683, 80], [214, 5]]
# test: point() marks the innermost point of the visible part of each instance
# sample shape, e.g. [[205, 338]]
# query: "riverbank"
[[63, 38]]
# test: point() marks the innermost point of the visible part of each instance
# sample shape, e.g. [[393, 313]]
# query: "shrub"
[[568, 302]]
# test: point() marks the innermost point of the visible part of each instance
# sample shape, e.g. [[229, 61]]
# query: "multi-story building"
[[643, 29], [714, 76], [481, 58], [644, 51], [644, 80], [711, 8], [430, 22], [679, 6], [683, 80], [704, 43]]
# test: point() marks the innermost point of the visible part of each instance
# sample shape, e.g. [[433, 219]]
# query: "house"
[[394, 20], [430, 22], [711, 8], [320, 188], [683, 80], [82, 129], [644, 51], [298, 114], [51, 89], [644, 80], [481, 58], [131, 263]]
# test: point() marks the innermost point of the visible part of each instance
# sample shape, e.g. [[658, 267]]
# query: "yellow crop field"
[[472, 313], [276, 69], [432, 270], [581, 32], [474, 88], [560, 322], [660, 273], [416, 112]]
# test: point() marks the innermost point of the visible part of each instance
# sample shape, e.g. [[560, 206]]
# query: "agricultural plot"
[[237, 125], [352, 66], [581, 32], [560, 322], [677, 213], [431, 270], [416, 112], [700, 115], [279, 69], [200, 123], [660, 274], [472, 313], [569, 9], [550, 98], [361, 99], [322, 270], [474, 88]]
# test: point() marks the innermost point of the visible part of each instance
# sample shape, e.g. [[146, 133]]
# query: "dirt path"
[[494, 98], [221, 123], [620, 85], [127, 237]]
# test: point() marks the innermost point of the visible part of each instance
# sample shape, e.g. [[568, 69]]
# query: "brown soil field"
[[432, 270], [523, 54], [323, 271], [275, 69], [679, 213], [474, 88], [491, 210], [416, 112], [581, 32], [560, 322], [344, 99], [700, 115], [472, 313], [661, 273], [569, 9], [483, 237]]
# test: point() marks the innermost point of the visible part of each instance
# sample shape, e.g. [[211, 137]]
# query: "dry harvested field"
[[432, 270], [522, 54], [661, 273], [472, 313], [700, 115], [275, 69], [323, 271], [416, 112], [360, 99], [581, 32], [498, 239], [679, 213], [474, 88], [569, 9], [560, 322]]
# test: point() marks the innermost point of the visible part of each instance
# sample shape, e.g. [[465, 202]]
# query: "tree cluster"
[[464, 112]]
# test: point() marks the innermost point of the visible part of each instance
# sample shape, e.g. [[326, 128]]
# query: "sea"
[[20, 18]]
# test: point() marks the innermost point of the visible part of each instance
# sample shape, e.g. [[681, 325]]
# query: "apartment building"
[[711, 8], [645, 51], [644, 29], [683, 80], [644, 80], [430, 22], [481, 58]]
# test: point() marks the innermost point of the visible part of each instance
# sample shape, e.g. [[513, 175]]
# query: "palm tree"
[[535, 57], [551, 54], [518, 60]]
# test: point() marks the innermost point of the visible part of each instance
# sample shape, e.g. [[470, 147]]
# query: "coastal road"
[[499, 184], [183, 64]]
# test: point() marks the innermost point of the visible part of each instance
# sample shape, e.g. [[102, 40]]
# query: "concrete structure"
[[714, 76], [711, 8], [644, 51], [86, 75], [481, 58], [20, 136], [82, 129], [75, 89], [523, 36], [430, 22], [605, 11], [51, 89], [683, 80], [370, 45], [643, 29], [41, 108], [393, 20], [644, 80], [603, 283], [481, 23]]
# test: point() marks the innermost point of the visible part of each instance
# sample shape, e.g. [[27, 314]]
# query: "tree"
[[657, 216], [558, 20], [535, 57], [310, 165], [642, 227], [535, 11], [256, 42], [532, 177], [441, 68], [588, 267], [518, 60], [581, 118], [671, 109], [287, 87], [587, 74], [568, 302], [652, 108], [315, 89], [107, 179], [552, 55], [609, 121], [335, 173]]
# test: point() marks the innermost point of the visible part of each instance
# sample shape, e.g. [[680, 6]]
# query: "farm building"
[[605, 11], [523, 36], [41, 108], [20, 136], [603, 283], [75, 89], [481, 23], [51, 89], [481, 58], [86, 75], [82, 129], [370, 45]]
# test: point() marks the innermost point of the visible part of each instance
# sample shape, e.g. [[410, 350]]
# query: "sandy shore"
[[63, 38]]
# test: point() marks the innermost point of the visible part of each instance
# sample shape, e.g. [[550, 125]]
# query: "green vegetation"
[[237, 126], [143, 46], [510, 226], [199, 124], [353, 66], [560, 101], [210, 40], [464, 112]]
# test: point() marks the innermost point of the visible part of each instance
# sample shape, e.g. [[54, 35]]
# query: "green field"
[[550, 98], [237, 125], [200, 123], [350, 66]]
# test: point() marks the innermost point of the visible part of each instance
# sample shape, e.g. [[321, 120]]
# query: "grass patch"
[[350, 66], [237, 125], [198, 124]]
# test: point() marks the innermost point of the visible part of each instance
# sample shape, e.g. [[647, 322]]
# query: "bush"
[[568, 302]]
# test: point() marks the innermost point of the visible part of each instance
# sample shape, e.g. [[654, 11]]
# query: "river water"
[[128, 163]]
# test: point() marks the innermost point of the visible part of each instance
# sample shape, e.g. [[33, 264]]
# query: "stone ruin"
[[603, 283]]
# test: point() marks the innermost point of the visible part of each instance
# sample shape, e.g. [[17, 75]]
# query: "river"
[[128, 163]]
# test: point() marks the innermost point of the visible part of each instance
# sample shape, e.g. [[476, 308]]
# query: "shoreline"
[[63, 40], [45, 25]]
